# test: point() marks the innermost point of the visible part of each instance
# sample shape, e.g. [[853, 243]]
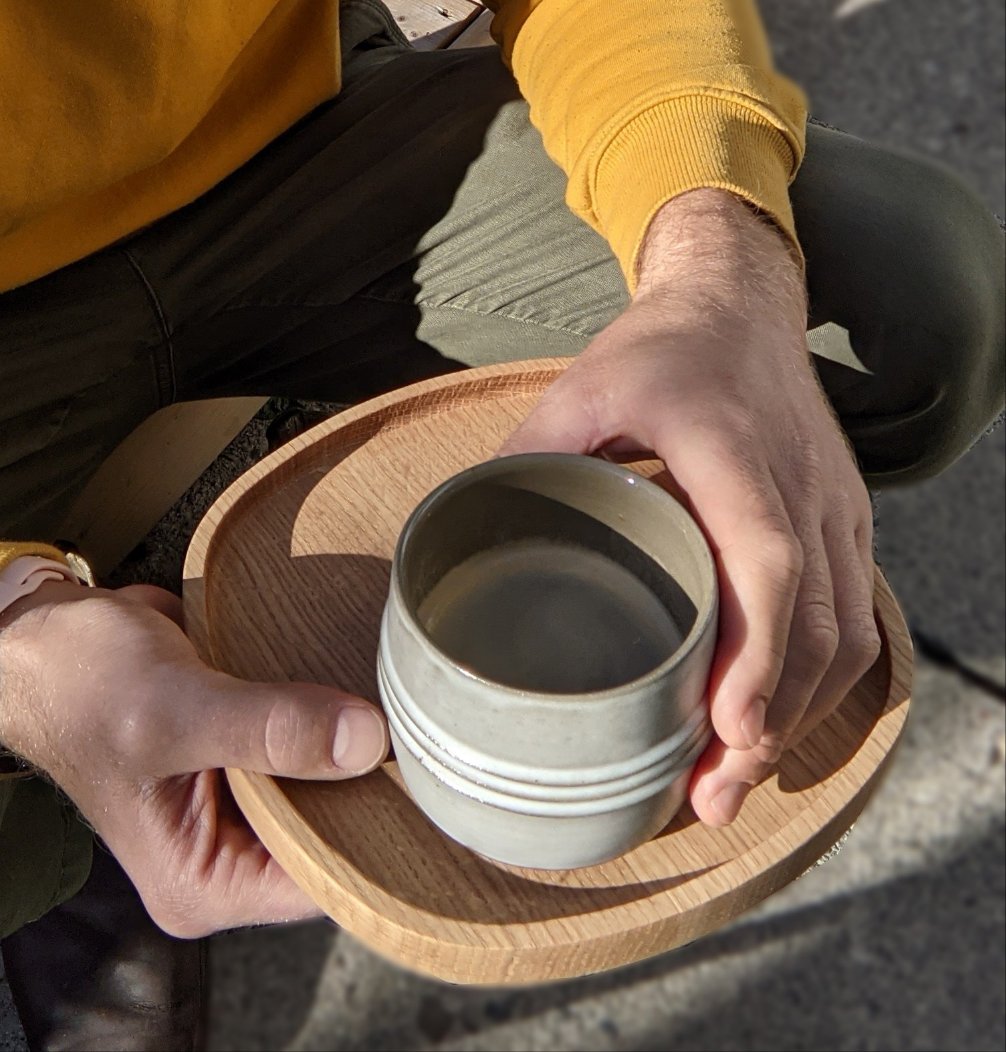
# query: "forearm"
[[642, 101], [710, 252]]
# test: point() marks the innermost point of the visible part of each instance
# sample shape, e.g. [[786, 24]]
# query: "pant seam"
[[164, 355], [426, 305]]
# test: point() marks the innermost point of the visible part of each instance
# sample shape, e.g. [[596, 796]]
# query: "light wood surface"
[[147, 473], [286, 578], [476, 33], [431, 24]]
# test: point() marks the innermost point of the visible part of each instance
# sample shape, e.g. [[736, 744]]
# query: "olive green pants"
[[415, 225]]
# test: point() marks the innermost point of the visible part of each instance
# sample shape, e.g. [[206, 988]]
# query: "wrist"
[[23, 655], [46, 595], [712, 245]]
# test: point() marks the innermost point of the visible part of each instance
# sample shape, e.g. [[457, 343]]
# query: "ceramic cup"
[[544, 655]]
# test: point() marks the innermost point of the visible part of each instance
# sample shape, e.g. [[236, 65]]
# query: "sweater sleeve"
[[639, 101]]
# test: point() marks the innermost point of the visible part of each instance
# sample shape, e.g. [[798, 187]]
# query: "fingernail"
[[727, 802], [360, 739], [753, 722]]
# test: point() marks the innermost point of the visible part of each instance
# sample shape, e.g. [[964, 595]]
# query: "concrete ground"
[[897, 943]]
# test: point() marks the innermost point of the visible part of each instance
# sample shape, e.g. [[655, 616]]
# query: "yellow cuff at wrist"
[[730, 146], [11, 550]]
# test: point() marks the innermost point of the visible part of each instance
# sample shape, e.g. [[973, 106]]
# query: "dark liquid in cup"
[[549, 616]]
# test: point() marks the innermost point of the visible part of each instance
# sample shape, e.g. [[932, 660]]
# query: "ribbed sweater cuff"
[[687, 143]]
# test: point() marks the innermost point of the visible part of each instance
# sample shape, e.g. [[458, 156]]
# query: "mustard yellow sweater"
[[114, 113]]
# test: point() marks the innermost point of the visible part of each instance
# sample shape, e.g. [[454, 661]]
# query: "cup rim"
[[703, 615]]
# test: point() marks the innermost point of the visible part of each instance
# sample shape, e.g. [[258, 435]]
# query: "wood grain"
[[286, 578], [432, 24]]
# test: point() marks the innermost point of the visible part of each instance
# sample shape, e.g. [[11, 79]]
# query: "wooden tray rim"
[[448, 954]]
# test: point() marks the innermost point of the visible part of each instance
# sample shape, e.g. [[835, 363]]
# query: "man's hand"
[[709, 368], [104, 692]]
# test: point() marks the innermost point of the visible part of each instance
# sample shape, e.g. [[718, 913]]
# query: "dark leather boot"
[[97, 973]]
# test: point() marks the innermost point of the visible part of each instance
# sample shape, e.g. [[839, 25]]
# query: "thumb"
[[294, 730]]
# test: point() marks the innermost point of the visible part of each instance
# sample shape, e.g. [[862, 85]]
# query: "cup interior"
[[554, 573]]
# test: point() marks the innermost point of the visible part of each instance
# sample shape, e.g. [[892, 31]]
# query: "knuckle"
[[820, 631], [781, 550], [807, 459], [771, 747], [863, 642]]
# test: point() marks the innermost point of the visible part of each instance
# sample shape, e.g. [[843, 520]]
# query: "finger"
[[810, 653], [198, 865], [811, 648], [296, 730], [158, 599], [852, 570], [563, 421], [721, 781], [261, 892], [240, 883], [248, 883], [725, 776], [759, 568]]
